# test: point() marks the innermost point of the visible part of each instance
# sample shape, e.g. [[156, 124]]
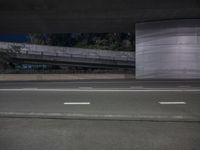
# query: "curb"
[[155, 118]]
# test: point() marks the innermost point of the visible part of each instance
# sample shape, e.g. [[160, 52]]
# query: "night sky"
[[19, 38]]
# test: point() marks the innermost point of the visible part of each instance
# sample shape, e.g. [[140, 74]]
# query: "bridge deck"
[[30, 53]]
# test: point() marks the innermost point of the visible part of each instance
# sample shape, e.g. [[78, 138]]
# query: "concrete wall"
[[168, 50], [69, 52]]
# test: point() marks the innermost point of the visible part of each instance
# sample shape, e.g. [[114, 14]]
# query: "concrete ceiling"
[[59, 16]]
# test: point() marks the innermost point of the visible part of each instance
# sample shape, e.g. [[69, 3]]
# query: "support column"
[[168, 50]]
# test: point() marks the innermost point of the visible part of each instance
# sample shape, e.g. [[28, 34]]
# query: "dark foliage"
[[107, 41]]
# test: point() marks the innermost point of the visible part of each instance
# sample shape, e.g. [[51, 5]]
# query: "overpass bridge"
[[54, 55], [61, 16]]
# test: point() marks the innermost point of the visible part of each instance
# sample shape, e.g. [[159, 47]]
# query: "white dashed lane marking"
[[172, 103], [77, 103]]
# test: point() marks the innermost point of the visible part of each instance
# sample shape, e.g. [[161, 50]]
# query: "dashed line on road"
[[172, 103], [77, 103]]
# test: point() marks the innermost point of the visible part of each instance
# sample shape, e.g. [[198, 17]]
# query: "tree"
[[107, 41]]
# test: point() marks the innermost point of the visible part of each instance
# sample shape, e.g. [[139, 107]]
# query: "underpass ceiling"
[[50, 16]]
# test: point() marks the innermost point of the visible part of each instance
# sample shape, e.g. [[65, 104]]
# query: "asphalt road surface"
[[100, 115]]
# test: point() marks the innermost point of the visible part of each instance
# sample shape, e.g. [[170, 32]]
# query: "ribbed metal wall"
[[168, 50]]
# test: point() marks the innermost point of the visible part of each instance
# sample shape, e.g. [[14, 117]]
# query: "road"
[[123, 114]]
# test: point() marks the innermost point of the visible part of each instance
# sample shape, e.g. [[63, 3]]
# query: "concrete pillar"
[[168, 50]]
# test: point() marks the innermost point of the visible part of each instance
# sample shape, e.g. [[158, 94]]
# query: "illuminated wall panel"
[[168, 50]]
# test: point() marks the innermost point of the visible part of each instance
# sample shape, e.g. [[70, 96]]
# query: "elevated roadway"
[[29, 53]]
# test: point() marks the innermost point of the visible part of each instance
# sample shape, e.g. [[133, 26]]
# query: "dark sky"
[[19, 38]]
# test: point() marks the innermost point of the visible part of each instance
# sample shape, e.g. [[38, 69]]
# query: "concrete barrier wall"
[[168, 50], [69, 52]]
